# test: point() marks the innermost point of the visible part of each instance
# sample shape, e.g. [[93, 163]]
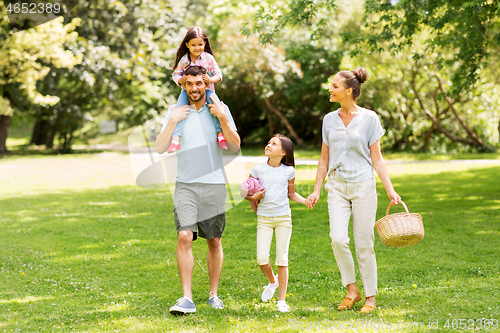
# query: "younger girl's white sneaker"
[[282, 306], [269, 290]]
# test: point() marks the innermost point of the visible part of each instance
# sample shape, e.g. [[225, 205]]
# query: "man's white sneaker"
[[282, 306], [269, 290]]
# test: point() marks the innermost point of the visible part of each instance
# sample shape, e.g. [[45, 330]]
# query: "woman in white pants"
[[349, 153]]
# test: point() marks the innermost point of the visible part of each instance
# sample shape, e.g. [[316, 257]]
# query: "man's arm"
[[165, 137], [230, 135]]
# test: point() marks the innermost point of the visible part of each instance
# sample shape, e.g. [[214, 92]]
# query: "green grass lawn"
[[84, 250]]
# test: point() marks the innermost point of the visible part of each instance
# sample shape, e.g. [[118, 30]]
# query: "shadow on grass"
[[104, 260]]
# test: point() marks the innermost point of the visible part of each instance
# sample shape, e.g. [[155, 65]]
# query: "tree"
[[470, 28], [413, 96], [274, 87], [273, 16], [25, 59], [125, 49], [435, 79]]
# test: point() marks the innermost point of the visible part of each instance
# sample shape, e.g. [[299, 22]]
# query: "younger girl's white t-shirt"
[[275, 181]]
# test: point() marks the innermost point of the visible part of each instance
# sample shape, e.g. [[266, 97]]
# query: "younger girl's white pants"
[[266, 226], [360, 200]]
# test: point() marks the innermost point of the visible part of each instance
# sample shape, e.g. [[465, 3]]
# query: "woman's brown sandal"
[[366, 309], [347, 302]]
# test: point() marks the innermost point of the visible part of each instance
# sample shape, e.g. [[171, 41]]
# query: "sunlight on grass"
[[114, 308], [134, 324], [87, 257], [159, 266], [106, 203], [15, 142], [132, 241], [28, 299], [482, 232], [396, 312]]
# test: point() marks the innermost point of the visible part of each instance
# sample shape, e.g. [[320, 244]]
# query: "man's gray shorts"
[[200, 208]]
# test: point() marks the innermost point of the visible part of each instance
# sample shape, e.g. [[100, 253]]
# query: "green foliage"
[[124, 72], [26, 57], [285, 76], [273, 16], [470, 29], [112, 61], [426, 52], [407, 91]]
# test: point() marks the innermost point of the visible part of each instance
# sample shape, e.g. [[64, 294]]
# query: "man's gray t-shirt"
[[200, 158]]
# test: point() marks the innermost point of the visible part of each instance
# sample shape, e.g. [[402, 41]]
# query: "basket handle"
[[389, 207]]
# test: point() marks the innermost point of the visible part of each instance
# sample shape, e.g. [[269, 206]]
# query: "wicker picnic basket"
[[400, 229]]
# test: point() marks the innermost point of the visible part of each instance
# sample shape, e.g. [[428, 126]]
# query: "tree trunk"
[[4, 131], [437, 124], [270, 122], [427, 138], [43, 133], [300, 142], [471, 133]]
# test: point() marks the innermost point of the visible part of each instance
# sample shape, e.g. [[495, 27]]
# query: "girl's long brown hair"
[[192, 33], [287, 146]]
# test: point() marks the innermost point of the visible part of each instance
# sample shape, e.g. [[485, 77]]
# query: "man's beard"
[[200, 97]]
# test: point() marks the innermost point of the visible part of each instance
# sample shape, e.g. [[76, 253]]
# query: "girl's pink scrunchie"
[[251, 185]]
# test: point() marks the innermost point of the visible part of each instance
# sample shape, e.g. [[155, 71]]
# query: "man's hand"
[[217, 109], [179, 113]]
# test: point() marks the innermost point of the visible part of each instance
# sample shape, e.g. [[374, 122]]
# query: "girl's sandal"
[[347, 302], [366, 309]]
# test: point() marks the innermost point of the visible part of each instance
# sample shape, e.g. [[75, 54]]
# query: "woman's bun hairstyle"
[[353, 79], [361, 74]]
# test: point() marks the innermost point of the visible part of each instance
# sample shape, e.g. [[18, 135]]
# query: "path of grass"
[[82, 252]]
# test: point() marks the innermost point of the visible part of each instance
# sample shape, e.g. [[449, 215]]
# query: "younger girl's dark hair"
[[192, 33], [287, 146], [353, 79]]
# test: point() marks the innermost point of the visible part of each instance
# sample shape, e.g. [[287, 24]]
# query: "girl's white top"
[[349, 146], [275, 181]]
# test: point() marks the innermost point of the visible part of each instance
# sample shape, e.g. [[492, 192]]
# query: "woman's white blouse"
[[349, 147]]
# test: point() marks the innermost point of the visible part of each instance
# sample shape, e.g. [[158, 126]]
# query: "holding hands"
[[312, 200]]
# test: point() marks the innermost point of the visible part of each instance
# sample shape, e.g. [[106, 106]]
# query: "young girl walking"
[[272, 206], [195, 50]]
